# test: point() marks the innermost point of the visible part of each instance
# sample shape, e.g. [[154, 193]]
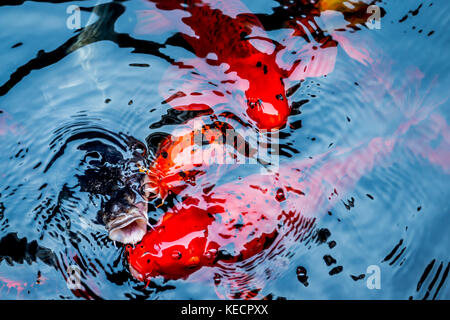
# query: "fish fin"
[[196, 89], [249, 20], [314, 59], [319, 39], [265, 45], [339, 18], [354, 49], [161, 16], [151, 22]]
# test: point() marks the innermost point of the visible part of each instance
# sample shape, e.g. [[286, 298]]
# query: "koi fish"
[[235, 55], [218, 228], [121, 181], [220, 36], [238, 220], [188, 153]]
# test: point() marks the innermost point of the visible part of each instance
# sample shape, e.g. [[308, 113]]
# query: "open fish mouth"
[[128, 228]]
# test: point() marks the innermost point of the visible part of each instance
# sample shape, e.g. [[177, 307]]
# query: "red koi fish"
[[188, 153], [235, 55], [238, 220], [218, 34]]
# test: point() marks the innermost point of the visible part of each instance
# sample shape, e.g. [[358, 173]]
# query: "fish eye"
[[279, 97]]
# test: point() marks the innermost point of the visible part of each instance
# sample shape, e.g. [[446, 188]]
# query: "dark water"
[[62, 88]]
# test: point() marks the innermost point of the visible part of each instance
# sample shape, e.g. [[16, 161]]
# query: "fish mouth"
[[136, 274], [128, 228], [144, 274], [267, 117]]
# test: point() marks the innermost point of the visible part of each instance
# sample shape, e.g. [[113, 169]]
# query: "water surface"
[[61, 88]]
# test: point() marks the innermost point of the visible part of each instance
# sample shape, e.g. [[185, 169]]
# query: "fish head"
[[152, 258], [174, 249], [266, 100], [125, 214]]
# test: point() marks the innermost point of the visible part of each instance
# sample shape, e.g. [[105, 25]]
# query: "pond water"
[[372, 106]]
